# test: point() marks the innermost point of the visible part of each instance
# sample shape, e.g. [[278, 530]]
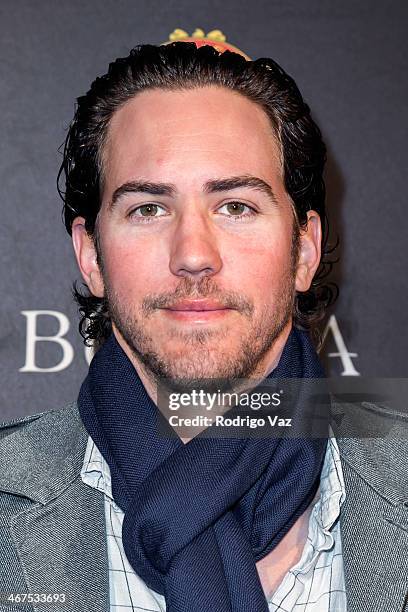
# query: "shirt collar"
[[95, 471], [332, 488]]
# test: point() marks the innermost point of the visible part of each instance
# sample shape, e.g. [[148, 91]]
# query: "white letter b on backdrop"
[[32, 338]]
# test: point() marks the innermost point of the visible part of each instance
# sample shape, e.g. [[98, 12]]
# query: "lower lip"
[[197, 315]]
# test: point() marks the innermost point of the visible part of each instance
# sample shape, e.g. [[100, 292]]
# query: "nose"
[[194, 253]]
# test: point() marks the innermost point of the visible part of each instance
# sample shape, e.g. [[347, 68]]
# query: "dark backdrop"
[[350, 61]]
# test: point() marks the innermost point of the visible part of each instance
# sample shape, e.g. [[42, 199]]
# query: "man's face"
[[197, 259]]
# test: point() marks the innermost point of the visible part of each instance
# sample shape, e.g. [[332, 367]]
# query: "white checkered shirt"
[[314, 584]]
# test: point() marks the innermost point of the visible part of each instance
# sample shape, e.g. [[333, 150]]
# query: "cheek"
[[132, 268], [260, 265]]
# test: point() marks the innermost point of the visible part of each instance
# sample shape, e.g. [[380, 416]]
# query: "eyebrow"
[[212, 186]]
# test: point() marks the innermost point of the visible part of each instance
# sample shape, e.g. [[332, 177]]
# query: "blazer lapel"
[[374, 517], [60, 539], [62, 548]]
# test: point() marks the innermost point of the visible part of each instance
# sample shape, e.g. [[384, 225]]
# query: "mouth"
[[199, 310]]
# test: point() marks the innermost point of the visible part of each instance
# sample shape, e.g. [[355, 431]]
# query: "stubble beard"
[[203, 362]]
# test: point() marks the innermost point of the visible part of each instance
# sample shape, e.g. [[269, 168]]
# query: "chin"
[[192, 364], [188, 366]]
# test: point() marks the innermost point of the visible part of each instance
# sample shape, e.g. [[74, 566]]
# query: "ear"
[[309, 251], [86, 257]]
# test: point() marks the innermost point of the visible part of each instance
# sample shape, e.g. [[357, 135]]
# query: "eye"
[[147, 211], [238, 209]]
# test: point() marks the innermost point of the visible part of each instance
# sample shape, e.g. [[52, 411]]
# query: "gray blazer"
[[52, 525]]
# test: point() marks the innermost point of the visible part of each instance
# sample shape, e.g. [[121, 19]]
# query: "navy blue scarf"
[[198, 516]]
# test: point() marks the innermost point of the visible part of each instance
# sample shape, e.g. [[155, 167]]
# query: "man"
[[195, 201]]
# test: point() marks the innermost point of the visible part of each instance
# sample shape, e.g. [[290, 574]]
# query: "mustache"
[[189, 288]]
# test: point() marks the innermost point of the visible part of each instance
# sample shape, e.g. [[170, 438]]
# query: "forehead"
[[202, 132]]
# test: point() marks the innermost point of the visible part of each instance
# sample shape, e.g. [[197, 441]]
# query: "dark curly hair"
[[178, 66]]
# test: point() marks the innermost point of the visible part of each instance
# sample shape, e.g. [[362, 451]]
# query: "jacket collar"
[[373, 442], [42, 454]]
